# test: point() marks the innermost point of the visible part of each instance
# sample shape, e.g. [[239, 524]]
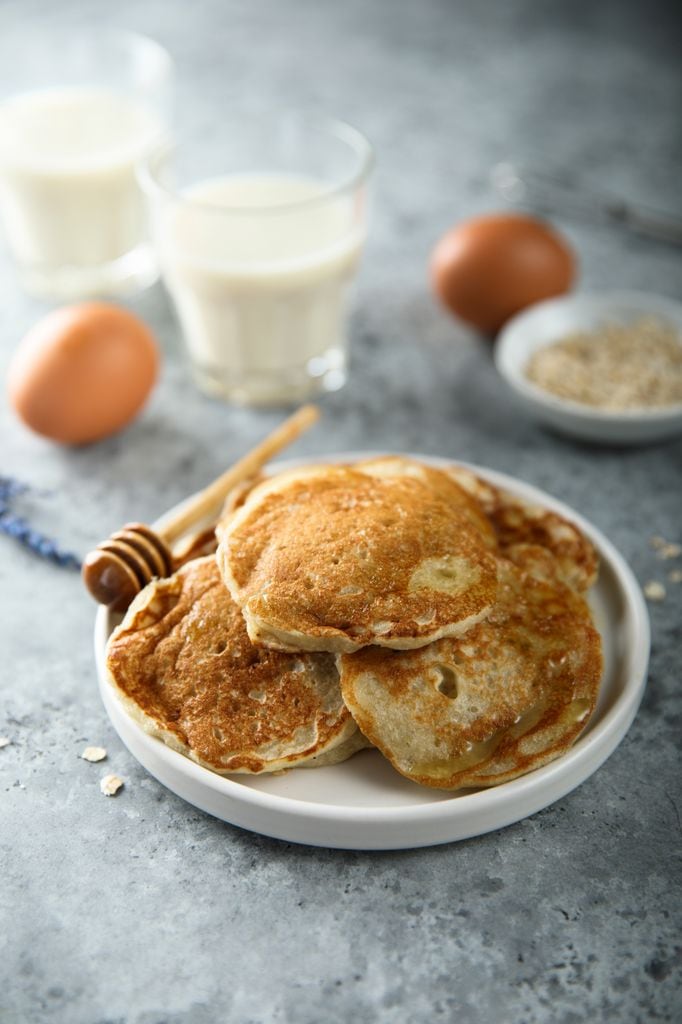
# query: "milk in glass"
[[259, 267], [69, 199]]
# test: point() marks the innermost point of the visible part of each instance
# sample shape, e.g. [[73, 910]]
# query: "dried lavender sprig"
[[16, 526], [10, 488]]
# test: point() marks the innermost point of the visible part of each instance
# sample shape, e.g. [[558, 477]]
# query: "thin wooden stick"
[[206, 501]]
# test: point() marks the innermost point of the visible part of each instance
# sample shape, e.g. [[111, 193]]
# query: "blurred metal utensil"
[[555, 191]]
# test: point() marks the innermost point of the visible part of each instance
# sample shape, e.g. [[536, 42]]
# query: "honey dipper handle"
[[204, 502]]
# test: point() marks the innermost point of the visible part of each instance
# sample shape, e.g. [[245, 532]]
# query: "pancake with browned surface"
[[511, 695], [184, 667], [439, 481], [519, 524], [327, 558], [531, 536], [505, 522]]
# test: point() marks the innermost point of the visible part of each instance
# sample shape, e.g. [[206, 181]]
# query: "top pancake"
[[479, 710], [514, 528], [440, 482], [184, 667], [330, 558]]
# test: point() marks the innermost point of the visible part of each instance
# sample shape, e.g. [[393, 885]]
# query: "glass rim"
[[148, 170]]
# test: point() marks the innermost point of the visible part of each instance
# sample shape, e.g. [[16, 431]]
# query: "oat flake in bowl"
[[605, 367], [617, 366]]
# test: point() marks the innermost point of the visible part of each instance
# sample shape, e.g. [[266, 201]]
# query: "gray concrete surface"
[[142, 910]]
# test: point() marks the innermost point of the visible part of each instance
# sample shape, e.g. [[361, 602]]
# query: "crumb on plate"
[[654, 591]]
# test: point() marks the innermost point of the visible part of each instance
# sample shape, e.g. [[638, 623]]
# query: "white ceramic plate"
[[552, 320], [363, 804]]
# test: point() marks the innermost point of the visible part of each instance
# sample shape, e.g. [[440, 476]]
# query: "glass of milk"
[[259, 227], [78, 111]]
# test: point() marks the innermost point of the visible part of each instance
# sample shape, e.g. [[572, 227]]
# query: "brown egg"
[[489, 268], [83, 372]]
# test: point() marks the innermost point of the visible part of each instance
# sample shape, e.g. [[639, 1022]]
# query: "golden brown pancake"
[[479, 710], [518, 525], [440, 482], [503, 520], [184, 667], [327, 558]]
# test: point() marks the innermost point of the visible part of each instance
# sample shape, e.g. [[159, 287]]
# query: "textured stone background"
[[141, 910]]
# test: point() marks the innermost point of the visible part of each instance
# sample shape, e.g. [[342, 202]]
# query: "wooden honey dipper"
[[120, 567]]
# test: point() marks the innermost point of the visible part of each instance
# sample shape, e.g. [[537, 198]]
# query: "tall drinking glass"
[[78, 110], [259, 234]]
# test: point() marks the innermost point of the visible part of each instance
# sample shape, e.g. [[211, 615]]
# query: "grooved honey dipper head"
[[119, 568]]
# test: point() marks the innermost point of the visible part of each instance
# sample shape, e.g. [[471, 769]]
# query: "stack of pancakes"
[[388, 604]]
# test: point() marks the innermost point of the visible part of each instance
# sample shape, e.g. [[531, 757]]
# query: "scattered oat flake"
[[94, 754], [4, 741], [654, 591], [665, 548], [110, 785], [675, 575]]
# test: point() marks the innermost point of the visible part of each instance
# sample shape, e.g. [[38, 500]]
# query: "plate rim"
[[590, 750]]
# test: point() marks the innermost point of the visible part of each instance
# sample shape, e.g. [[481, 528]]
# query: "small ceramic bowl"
[[548, 322]]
